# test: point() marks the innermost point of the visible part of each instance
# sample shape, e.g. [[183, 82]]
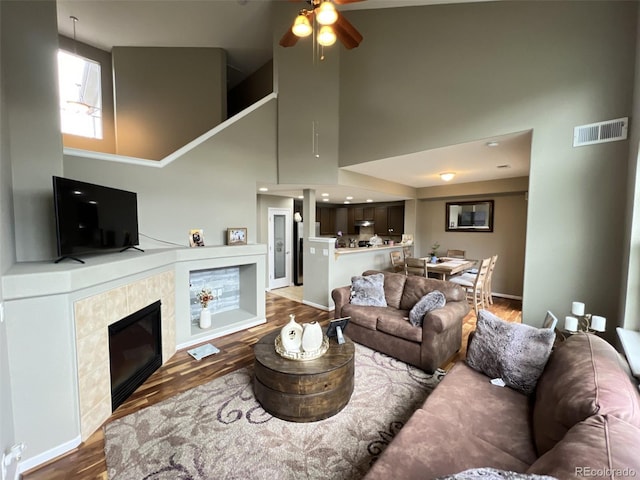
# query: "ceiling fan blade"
[[347, 33], [289, 39]]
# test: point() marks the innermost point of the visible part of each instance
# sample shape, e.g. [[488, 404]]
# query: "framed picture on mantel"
[[237, 236]]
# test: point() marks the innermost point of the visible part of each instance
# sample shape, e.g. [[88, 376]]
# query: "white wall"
[[630, 301], [460, 72]]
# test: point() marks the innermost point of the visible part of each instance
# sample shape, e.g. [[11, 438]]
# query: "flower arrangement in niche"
[[204, 296]]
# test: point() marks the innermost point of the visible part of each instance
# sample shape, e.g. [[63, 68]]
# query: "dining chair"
[[456, 253], [397, 261], [415, 266], [475, 287], [487, 288], [488, 291]]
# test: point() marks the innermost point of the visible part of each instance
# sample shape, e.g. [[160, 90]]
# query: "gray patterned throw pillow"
[[430, 301], [487, 473], [515, 352], [368, 290]]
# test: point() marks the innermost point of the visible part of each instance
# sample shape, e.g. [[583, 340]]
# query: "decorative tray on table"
[[301, 355]]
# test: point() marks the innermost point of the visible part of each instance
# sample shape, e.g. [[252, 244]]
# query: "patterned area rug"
[[219, 431]]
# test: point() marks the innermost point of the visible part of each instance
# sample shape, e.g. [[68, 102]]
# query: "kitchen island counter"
[[348, 250], [327, 267]]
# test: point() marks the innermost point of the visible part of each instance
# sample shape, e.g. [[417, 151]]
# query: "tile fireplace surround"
[[57, 318], [93, 316]]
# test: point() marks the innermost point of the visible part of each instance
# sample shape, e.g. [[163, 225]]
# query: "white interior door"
[[280, 245]]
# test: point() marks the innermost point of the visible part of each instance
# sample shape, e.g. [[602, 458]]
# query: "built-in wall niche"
[[234, 292], [224, 285]]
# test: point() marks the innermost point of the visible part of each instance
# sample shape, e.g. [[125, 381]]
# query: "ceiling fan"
[[332, 25]]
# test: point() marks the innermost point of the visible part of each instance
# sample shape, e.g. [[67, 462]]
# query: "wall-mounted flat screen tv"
[[93, 218]]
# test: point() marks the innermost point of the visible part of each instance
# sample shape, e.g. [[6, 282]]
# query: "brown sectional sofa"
[[386, 329], [583, 420]]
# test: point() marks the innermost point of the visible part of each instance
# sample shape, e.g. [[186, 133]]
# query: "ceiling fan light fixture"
[[447, 176], [326, 14], [301, 26], [326, 36]]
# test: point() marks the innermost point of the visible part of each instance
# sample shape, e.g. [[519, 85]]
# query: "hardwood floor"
[[182, 373]]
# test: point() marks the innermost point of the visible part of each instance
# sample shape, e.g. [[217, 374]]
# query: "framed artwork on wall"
[[469, 216], [237, 236]]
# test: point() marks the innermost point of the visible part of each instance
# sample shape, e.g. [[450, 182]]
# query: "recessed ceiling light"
[[447, 176], [263, 189], [325, 194], [325, 199], [349, 197], [492, 144], [300, 197], [369, 200], [347, 202]]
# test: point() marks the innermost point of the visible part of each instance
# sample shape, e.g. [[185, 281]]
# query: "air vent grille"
[[601, 132]]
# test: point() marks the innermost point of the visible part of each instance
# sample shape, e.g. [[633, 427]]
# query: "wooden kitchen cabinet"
[[380, 219], [395, 220], [342, 220], [327, 219]]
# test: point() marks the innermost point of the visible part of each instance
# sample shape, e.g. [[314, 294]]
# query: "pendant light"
[[77, 106]]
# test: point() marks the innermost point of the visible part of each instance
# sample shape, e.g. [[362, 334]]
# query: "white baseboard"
[[506, 295], [315, 305], [50, 454]]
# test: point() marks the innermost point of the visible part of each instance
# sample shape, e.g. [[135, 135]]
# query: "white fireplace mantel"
[[41, 301]]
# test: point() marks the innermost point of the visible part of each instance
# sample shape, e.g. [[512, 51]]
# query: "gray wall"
[[461, 72], [212, 187], [7, 258], [29, 44], [155, 86], [308, 102], [507, 239]]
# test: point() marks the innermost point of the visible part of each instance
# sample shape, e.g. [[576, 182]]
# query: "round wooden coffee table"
[[303, 391]]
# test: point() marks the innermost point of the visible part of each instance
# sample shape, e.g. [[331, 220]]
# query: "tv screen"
[[91, 218]]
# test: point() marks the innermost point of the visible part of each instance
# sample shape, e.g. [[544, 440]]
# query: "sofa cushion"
[[582, 378], [364, 316], [393, 286], [368, 290], [416, 287], [398, 326], [465, 423], [430, 301], [514, 352], [601, 446]]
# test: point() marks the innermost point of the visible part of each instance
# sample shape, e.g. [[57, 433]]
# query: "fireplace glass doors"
[[135, 351]]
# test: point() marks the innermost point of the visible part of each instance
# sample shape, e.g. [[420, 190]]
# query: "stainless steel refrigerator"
[[298, 235]]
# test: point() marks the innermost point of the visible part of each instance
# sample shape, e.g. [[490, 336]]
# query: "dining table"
[[447, 267]]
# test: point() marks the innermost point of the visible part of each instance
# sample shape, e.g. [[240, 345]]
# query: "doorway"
[[280, 244]]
